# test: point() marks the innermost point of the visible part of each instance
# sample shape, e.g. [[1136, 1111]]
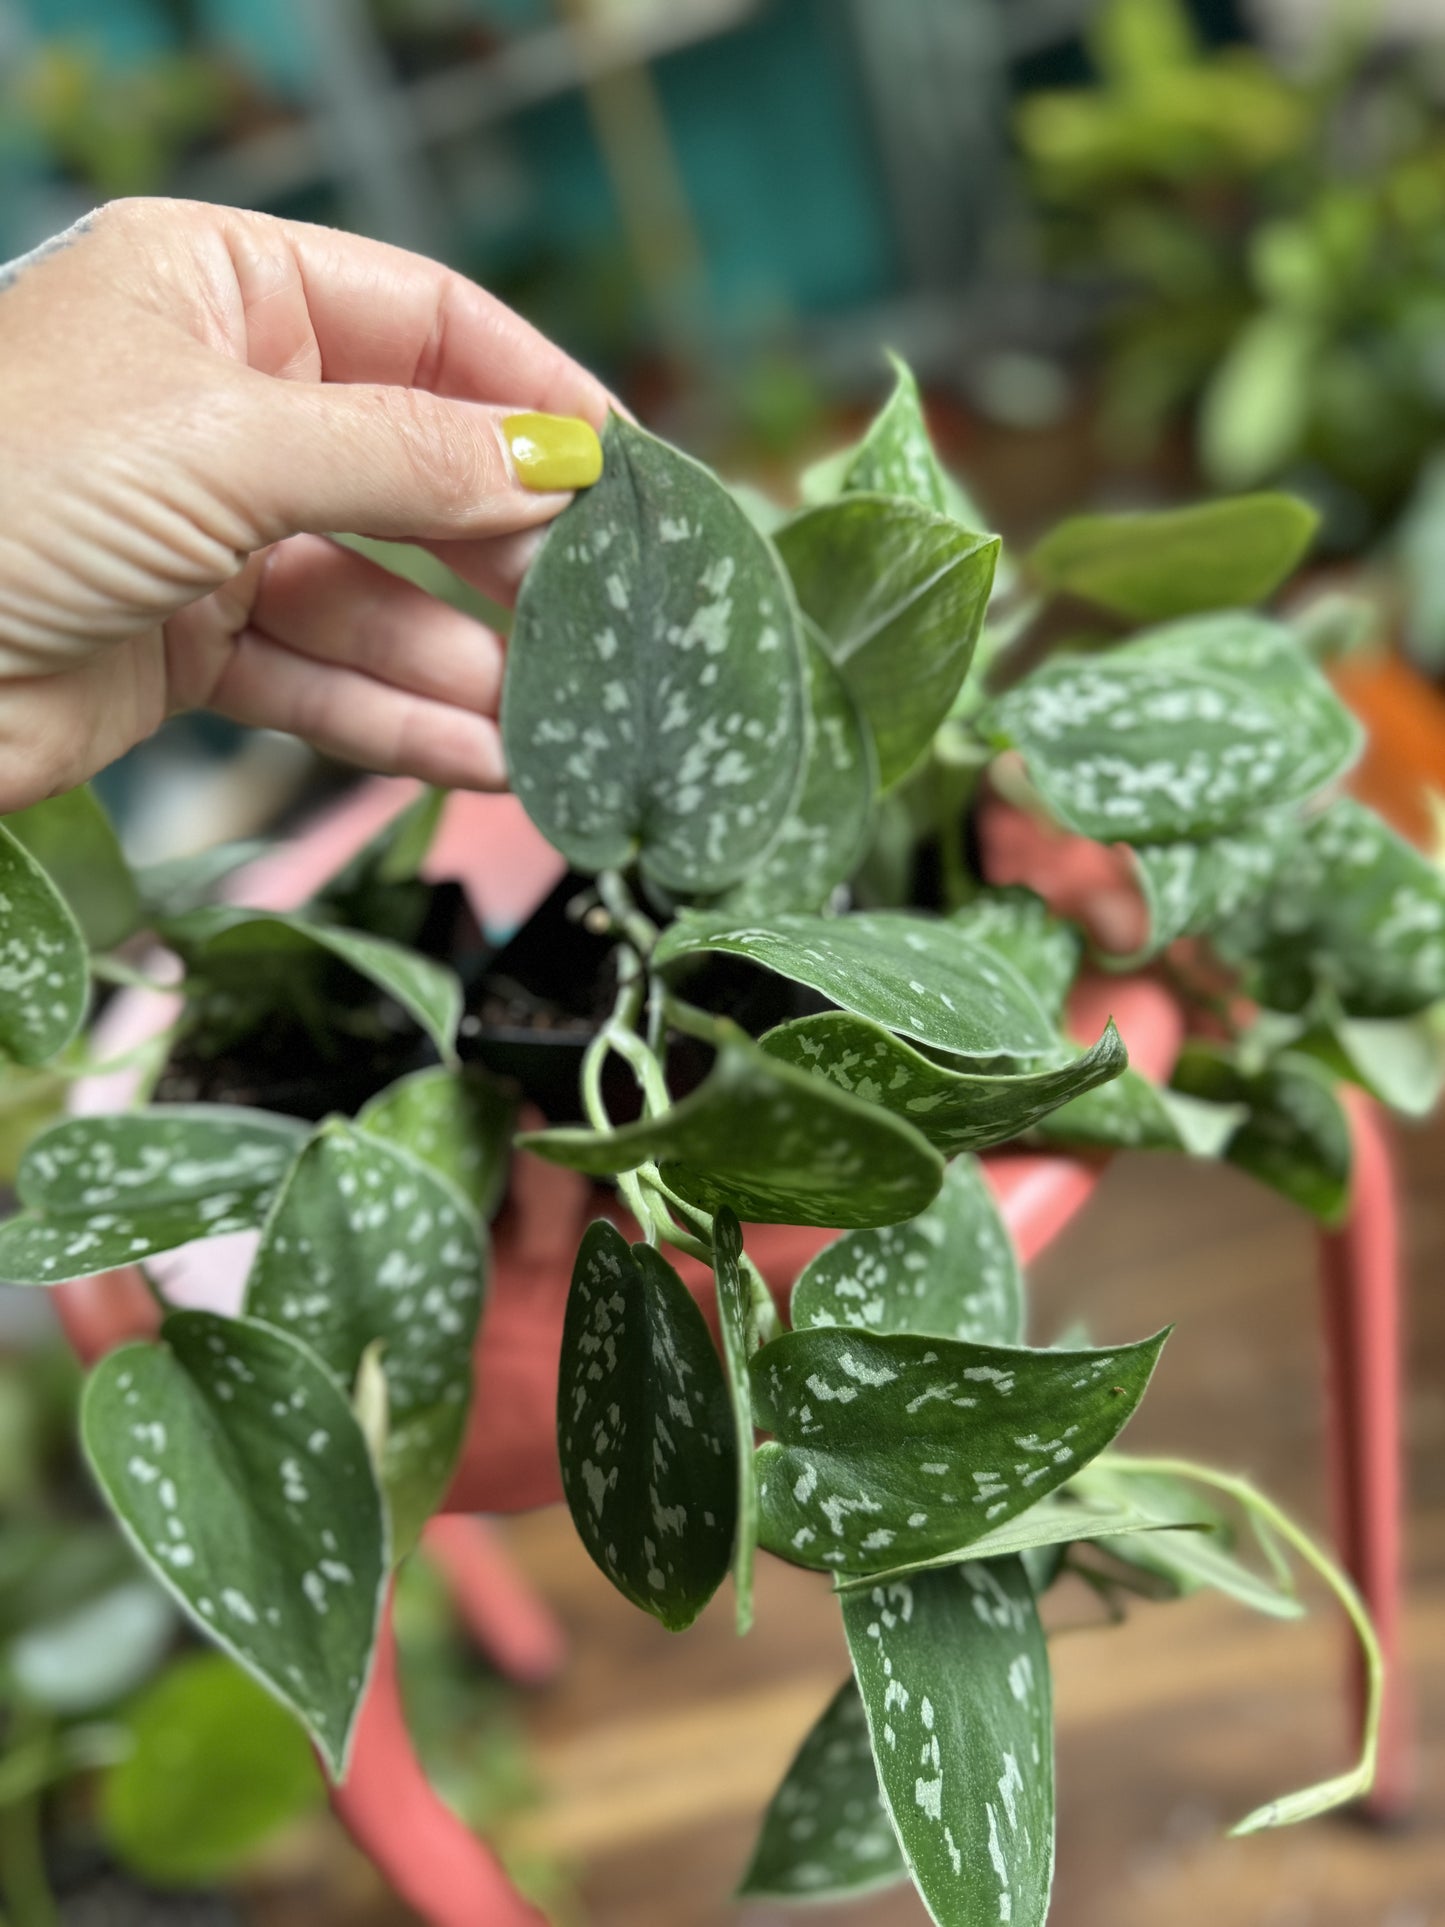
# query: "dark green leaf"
[[367, 1246], [1179, 562], [1294, 1137], [826, 835], [826, 1834], [1190, 731], [1042, 948], [955, 1110], [890, 1448], [44, 970], [735, 1321], [954, 1677], [899, 594], [459, 1122], [771, 1142], [224, 937], [918, 975], [71, 838], [106, 1191], [216, 1768], [396, 853], [896, 456], [232, 1459], [644, 1430], [951, 1272], [654, 697]]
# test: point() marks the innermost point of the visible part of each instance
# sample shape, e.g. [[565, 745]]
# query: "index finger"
[[364, 311]]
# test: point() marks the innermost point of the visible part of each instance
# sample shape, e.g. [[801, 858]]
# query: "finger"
[[326, 602], [402, 463], [373, 313], [357, 719], [494, 568]]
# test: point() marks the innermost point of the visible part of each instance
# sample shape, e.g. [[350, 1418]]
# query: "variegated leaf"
[[1294, 1135], [1042, 948], [889, 1449], [44, 969], [457, 1121], [956, 1110], [1190, 888], [735, 1322], [72, 838], [644, 1430], [826, 1834], [232, 1460], [952, 1272], [921, 976], [107, 1191], [654, 698], [954, 1677], [366, 1246], [772, 1143]]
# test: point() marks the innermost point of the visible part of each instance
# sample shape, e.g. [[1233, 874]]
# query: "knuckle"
[[449, 451]]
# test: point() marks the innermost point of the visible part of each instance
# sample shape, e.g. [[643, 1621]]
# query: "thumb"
[[405, 464]]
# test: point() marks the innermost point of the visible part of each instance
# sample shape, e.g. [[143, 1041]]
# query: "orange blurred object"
[[1404, 759]]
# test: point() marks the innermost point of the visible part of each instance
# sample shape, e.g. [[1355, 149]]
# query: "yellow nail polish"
[[553, 451]]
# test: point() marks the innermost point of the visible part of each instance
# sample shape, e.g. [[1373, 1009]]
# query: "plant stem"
[[1310, 1801], [114, 970], [620, 904], [23, 1879]]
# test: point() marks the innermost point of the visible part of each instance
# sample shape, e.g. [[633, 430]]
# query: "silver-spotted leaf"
[[1190, 888], [826, 1834], [1294, 1135], [954, 1677], [1356, 913], [899, 594], [1131, 1113], [224, 940], [654, 699], [896, 456], [735, 1322], [366, 1245], [1193, 730], [44, 969], [921, 976], [1020, 926], [233, 1462], [72, 838], [952, 1272], [644, 1429], [889, 1449], [827, 832], [457, 1121], [956, 1110], [1178, 562], [772, 1143], [106, 1191]]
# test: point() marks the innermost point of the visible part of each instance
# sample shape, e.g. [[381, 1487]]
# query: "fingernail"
[[552, 452]]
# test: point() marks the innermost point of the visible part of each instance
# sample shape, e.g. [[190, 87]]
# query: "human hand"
[[190, 398]]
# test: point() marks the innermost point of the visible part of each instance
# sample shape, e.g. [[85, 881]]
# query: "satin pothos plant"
[[759, 738]]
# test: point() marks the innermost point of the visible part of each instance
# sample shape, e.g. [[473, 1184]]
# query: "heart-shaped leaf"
[[72, 839], [951, 1272], [770, 1142], [826, 1834], [367, 1246], [955, 1110], [1042, 948], [921, 976], [889, 1448], [954, 1677], [654, 698], [1357, 913], [223, 939], [735, 1322], [827, 832], [44, 969], [457, 1121], [644, 1430], [106, 1191], [899, 594], [1191, 731], [1190, 888], [1178, 562], [1294, 1135], [232, 1460]]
